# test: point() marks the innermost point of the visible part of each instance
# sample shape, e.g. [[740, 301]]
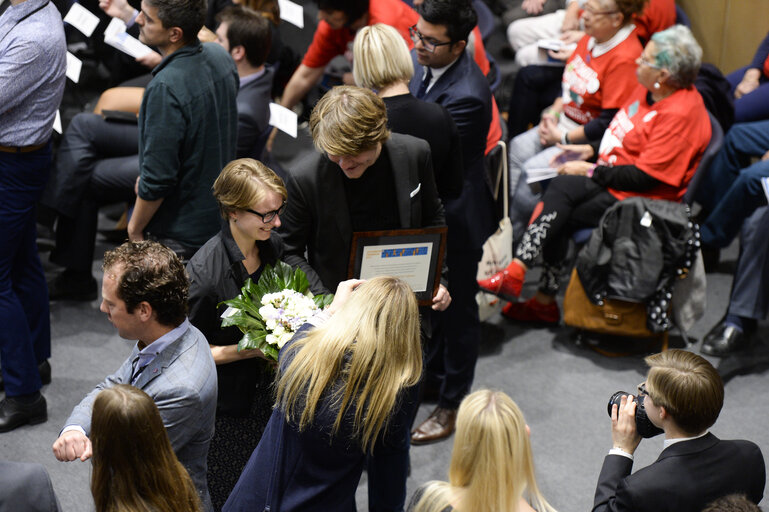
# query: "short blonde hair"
[[492, 467], [244, 182], [380, 57], [348, 120]]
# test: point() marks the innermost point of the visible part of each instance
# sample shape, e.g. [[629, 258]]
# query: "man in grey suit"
[[144, 294]]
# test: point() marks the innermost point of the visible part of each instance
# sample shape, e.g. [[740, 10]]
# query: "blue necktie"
[[425, 83]]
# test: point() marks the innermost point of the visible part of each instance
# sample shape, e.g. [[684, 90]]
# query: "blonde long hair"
[[491, 463], [134, 467], [371, 345]]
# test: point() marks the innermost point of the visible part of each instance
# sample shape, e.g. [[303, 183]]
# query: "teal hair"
[[677, 50]]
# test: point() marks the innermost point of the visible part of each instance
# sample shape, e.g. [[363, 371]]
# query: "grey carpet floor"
[[561, 385]]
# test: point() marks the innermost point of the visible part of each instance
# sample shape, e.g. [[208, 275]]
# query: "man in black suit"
[[363, 179], [445, 74], [683, 395], [245, 34]]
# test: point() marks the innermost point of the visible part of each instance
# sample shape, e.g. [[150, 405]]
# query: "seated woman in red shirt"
[[651, 148], [596, 81]]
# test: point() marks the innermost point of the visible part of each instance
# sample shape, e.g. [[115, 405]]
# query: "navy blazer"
[[317, 219], [687, 476], [465, 93], [311, 470], [253, 102]]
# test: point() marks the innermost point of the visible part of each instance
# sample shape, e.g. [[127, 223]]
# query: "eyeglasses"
[[642, 389], [269, 216], [593, 12], [429, 43], [641, 61]]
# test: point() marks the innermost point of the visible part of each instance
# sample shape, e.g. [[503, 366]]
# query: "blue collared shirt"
[[151, 351], [33, 63]]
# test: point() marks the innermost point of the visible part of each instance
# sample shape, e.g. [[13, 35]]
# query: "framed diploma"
[[413, 255]]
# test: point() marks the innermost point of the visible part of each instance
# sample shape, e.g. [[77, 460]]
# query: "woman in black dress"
[[251, 198], [382, 63]]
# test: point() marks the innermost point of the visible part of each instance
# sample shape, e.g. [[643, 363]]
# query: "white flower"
[[284, 312]]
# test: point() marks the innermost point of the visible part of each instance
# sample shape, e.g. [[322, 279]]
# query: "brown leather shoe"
[[438, 426]]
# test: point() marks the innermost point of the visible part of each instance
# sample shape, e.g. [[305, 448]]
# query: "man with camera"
[[682, 395]]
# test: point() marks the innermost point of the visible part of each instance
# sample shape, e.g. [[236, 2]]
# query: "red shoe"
[[507, 283], [532, 311]]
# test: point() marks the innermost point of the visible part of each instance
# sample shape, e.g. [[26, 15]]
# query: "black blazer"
[[317, 218], [433, 123], [687, 476]]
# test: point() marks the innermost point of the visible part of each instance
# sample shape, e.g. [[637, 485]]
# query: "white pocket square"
[[416, 190]]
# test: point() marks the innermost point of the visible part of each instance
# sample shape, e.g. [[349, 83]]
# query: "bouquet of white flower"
[[269, 312]]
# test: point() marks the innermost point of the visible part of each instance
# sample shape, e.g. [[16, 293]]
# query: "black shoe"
[[14, 413], [72, 286], [724, 340], [45, 374]]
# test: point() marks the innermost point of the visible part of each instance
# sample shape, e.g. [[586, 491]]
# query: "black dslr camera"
[[644, 426]]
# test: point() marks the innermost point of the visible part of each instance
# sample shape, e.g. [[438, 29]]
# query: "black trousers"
[[535, 89], [570, 203], [98, 164]]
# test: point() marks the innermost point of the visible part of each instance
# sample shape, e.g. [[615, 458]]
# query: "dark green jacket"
[[187, 134]]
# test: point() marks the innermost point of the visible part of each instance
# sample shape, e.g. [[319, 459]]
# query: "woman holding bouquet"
[[341, 380], [251, 199]]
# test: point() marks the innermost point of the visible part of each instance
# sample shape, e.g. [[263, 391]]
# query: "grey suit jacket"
[[26, 486], [182, 382], [317, 218]]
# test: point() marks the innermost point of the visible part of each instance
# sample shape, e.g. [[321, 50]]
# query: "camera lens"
[[644, 426]]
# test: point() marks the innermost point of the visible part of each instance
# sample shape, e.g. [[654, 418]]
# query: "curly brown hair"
[[150, 272]]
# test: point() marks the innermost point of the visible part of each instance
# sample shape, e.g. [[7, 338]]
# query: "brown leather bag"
[[617, 317]]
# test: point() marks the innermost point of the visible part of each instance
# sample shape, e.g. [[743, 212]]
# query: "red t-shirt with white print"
[[594, 81], [665, 140]]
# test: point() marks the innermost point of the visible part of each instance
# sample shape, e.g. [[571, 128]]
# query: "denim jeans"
[[732, 188]]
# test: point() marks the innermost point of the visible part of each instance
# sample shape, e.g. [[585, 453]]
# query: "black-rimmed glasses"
[[642, 389], [428, 43], [269, 216]]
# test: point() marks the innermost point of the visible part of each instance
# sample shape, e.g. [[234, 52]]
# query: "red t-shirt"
[[591, 84], [665, 140], [658, 15], [327, 43], [494, 134]]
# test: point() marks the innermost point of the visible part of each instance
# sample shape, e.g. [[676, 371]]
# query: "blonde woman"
[[382, 63], [134, 467], [339, 391], [492, 469]]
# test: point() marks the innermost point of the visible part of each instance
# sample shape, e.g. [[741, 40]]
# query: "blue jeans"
[[743, 198], [25, 337], [753, 106], [743, 141]]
